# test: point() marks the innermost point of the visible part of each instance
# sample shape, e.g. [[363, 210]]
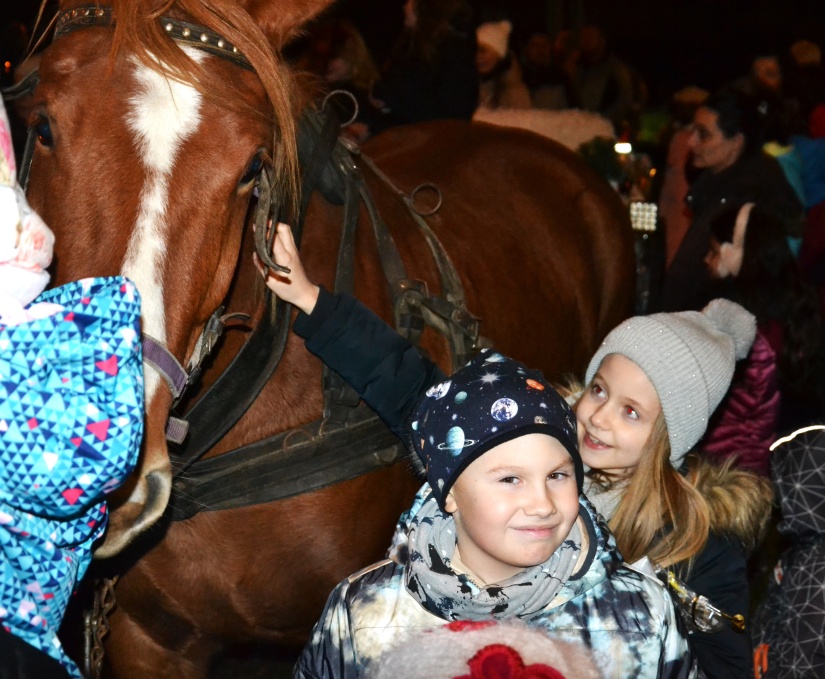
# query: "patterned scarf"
[[452, 596]]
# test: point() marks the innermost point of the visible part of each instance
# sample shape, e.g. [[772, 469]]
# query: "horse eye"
[[253, 169], [43, 130]]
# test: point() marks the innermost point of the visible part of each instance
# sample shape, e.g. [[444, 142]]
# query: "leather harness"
[[349, 439]]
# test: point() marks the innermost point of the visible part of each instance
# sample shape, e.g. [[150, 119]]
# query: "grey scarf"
[[453, 596], [605, 500]]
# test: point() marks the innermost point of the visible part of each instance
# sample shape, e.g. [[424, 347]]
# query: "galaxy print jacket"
[[625, 618]]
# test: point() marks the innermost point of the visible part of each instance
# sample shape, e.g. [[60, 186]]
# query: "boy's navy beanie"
[[491, 400]]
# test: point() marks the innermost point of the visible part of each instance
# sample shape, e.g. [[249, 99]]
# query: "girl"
[[750, 257], [652, 386]]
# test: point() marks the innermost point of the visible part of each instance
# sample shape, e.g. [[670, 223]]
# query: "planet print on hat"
[[491, 400]]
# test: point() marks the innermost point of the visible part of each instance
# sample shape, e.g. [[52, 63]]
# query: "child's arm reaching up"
[[388, 372], [294, 287]]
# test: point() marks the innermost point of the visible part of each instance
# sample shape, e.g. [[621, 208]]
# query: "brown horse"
[[145, 163]]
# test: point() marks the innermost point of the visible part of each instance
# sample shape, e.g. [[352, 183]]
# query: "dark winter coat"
[[754, 178], [789, 625]]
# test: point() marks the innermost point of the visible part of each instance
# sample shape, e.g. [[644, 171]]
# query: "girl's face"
[[514, 506], [616, 414]]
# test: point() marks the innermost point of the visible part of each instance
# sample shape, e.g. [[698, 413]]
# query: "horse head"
[[147, 154]]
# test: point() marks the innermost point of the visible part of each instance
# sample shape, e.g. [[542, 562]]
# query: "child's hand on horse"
[[293, 287]]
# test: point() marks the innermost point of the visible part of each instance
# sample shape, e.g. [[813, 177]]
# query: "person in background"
[[431, 73], [673, 211], [726, 146], [603, 83], [501, 84], [543, 76], [652, 386], [750, 257]]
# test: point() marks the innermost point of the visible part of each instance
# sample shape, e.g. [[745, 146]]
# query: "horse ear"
[[281, 21]]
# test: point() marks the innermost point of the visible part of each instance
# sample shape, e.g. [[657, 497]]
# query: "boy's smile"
[[616, 414], [514, 506]]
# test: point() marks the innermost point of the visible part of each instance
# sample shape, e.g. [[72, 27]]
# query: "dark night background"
[[671, 42]]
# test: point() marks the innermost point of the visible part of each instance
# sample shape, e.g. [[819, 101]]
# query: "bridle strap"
[[182, 32]]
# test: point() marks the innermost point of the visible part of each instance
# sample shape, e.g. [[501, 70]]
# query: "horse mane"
[[138, 32]]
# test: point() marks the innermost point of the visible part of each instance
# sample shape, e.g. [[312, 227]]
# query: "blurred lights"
[[7, 66], [623, 147]]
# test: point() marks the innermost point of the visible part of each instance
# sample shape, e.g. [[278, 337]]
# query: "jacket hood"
[[798, 471], [739, 501]]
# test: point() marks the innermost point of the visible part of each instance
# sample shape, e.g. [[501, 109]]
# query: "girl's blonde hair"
[[667, 516], [661, 515]]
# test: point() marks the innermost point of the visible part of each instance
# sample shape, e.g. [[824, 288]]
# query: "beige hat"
[[495, 34]]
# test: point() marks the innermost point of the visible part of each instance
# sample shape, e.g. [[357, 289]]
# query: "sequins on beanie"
[[689, 358], [491, 400]]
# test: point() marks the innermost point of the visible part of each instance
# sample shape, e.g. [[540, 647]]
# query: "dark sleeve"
[[388, 372], [719, 572]]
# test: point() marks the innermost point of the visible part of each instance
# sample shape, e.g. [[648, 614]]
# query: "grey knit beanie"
[[689, 357]]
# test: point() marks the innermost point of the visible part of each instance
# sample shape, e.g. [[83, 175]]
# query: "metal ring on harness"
[[421, 187], [346, 93]]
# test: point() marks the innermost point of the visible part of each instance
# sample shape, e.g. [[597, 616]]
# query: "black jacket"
[[754, 178], [19, 660], [415, 90]]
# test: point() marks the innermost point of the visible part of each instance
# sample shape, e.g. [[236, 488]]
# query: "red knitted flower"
[[498, 661]]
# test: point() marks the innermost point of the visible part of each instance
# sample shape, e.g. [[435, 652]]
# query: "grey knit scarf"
[[453, 596]]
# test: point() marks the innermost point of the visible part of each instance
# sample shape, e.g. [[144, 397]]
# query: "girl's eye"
[[631, 413], [509, 479], [597, 391], [558, 476]]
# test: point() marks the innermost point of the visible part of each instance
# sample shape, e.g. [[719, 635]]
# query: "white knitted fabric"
[[689, 357], [445, 652], [495, 34]]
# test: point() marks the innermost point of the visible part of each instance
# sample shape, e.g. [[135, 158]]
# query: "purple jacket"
[[745, 423]]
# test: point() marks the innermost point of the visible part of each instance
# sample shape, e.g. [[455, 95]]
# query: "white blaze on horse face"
[[163, 114]]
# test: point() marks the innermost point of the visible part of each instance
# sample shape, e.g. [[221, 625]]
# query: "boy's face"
[[514, 506], [616, 414]]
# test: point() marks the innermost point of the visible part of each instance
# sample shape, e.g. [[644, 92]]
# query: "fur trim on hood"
[[739, 501]]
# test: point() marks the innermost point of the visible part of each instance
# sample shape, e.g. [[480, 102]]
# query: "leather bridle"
[[348, 440]]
